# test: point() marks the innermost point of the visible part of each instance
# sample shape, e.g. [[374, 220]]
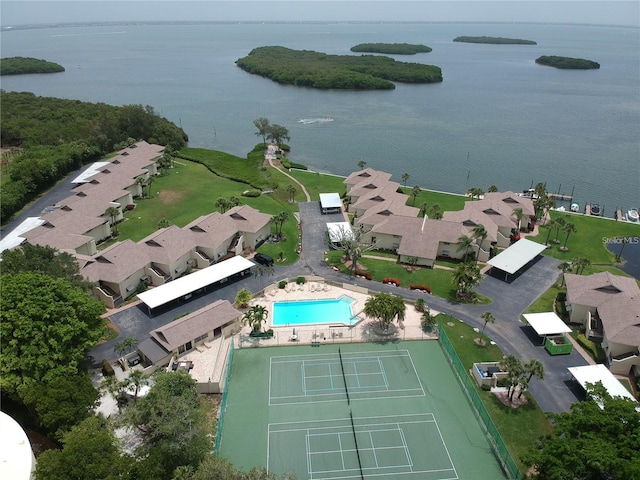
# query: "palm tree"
[[514, 369], [282, 218], [560, 222], [475, 192], [234, 201], [262, 124], [479, 233], [465, 277], [520, 215], [580, 263], [136, 379], [350, 242], [163, 223], [492, 188], [222, 203], [424, 207], [141, 182], [619, 255], [385, 307], [427, 320], [435, 212], [261, 271], [565, 267], [488, 318], [415, 191], [125, 346], [362, 164], [254, 317], [148, 184], [569, 228], [243, 297], [534, 367], [112, 213], [550, 225], [405, 177], [292, 193], [464, 243]]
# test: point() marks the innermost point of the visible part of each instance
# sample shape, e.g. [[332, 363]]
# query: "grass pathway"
[[304, 190]]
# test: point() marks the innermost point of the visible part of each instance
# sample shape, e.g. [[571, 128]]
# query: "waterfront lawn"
[[317, 183], [589, 239], [521, 427], [446, 201]]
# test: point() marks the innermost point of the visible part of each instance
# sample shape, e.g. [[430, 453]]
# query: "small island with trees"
[[391, 48], [494, 40], [567, 62], [307, 68], [24, 65]]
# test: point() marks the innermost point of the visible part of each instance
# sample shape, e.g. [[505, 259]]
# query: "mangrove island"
[[391, 48], [24, 65], [495, 40], [567, 62], [307, 68]]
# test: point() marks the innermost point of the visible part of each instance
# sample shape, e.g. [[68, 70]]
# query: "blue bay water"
[[497, 118]]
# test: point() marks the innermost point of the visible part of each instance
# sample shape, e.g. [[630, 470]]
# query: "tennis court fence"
[[495, 439], [223, 402]]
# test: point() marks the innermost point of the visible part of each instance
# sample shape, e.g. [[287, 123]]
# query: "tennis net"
[[355, 439], [346, 389]]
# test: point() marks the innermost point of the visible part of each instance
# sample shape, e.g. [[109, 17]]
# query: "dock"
[[561, 196]]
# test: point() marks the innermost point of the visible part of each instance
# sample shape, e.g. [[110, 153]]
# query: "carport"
[[185, 286], [552, 329], [591, 374], [516, 257], [330, 203]]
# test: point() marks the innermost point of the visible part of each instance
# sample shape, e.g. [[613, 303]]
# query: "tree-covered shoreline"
[[567, 63], [25, 65], [306, 68], [494, 40], [391, 48], [48, 138]]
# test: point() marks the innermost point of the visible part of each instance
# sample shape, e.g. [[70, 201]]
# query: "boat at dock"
[[596, 210], [575, 207], [632, 215]]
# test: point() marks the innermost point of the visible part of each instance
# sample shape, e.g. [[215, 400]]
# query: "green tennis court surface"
[[407, 417]]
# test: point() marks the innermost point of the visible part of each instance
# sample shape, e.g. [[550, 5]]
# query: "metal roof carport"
[[168, 292], [330, 203], [547, 323], [600, 373], [516, 256]]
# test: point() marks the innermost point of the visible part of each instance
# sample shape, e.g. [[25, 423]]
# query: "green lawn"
[[317, 183], [521, 427], [589, 240], [447, 201]]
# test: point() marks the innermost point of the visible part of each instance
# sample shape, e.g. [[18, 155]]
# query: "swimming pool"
[[308, 312]]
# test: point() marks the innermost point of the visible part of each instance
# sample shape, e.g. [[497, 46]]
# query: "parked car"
[[263, 259]]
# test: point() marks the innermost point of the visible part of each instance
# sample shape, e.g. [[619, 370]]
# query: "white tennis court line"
[[320, 359], [426, 418]]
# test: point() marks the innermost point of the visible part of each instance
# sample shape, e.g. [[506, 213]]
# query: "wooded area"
[[24, 65], [307, 68], [391, 48]]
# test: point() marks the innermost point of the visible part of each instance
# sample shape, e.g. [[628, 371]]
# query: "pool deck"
[[326, 333]]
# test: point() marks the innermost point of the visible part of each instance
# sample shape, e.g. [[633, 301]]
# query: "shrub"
[[107, 368], [366, 275], [418, 286], [282, 283], [300, 280], [420, 305], [251, 193], [561, 297], [486, 388], [391, 281]]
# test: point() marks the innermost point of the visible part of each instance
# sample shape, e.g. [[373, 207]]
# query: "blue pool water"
[[314, 312]]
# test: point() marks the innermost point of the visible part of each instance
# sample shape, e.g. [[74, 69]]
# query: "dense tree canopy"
[[21, 65], [45, 260], [218, 468], [348, 72], [46, 327], [172, 425], [53, 137], [567, 62], [494, 40], [597, 439], [391, 48], [90, 452]]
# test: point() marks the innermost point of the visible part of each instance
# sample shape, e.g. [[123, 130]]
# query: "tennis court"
[[353, 411]]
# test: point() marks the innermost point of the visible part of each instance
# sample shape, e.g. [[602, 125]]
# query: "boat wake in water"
[[307, 121]]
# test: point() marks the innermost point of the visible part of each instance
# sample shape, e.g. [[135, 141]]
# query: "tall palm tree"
[[282, 218], [565, 267], [580, 263], [569, 228], [550, 225], [435, 212], [520, 216], [136, 379], [415, 191], [405, 178], [141, 182], [492, 188], [292, 193], [464, 243], [125, 346], [488, 318], [362, 164], [534, 367], [163, 223], [465, 277], [222, 203], [424, 208], [514, 368], [479, 233], [112, 213], [624, 243], [560, 222]]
